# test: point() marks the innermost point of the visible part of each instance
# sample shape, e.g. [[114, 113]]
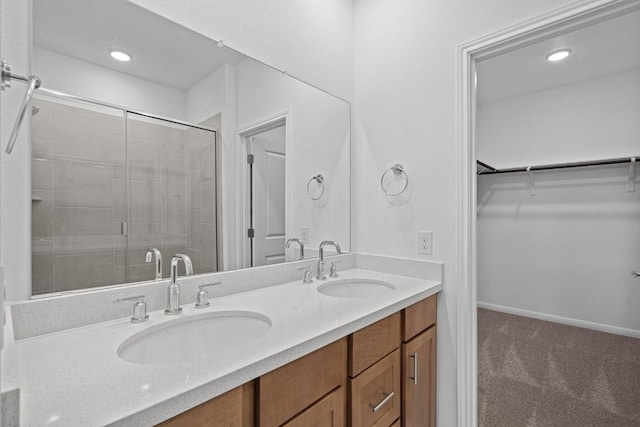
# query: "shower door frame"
[[528, 32]]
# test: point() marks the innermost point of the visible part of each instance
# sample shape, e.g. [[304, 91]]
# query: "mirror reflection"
[[186, 146]]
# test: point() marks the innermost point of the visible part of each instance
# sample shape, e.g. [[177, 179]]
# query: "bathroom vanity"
[[376, 376], [357, 349]]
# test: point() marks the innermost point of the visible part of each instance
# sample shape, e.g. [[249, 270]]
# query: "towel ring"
[[397, 170], [320, 180]]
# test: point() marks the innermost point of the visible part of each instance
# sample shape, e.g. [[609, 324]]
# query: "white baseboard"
[[633, 333]]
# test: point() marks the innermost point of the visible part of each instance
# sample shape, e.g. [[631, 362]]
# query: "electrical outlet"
[[425, 242], [304, 235]]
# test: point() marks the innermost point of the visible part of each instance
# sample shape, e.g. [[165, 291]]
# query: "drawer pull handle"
[[414, 356], [387, 397]]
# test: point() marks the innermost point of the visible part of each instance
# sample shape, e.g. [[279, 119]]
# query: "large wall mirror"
[[187, 147]]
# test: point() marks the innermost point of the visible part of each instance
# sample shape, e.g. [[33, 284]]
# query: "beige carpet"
[[535, 373]]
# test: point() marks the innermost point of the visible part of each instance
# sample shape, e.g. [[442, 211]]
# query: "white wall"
[[405, 99], [206, 98], [69, 75], [15, 192], [312, 40], [593, 119], [215, 94], [568, 250], [319, 143]]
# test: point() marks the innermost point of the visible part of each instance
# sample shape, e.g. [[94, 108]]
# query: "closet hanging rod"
[[486, 166], [492, 170]]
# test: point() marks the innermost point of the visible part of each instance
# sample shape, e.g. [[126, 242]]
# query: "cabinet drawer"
[[372, 343], [288, 390], [419, 380], [371, 401], [232, 409], [328, 412], [419, 317]]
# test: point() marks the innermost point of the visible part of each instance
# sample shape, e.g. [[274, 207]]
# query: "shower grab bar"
[[33, 82]]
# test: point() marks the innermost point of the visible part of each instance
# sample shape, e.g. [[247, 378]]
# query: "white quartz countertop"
[[75, 377]]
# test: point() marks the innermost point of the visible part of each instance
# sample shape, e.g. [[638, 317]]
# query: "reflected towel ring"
[[397, 170], [320, 180]]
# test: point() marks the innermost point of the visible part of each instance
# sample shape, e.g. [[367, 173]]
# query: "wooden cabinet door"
[[418, 317], [327, 412], [287, 391], [372, 343], [375, 394], [419, 380], [232, 409]]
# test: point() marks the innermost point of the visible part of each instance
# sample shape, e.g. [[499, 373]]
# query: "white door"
[[268, 196]]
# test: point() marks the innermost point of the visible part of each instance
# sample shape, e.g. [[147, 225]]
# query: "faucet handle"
[[333, 271], [139, 308], [203, 297], [306, 278]]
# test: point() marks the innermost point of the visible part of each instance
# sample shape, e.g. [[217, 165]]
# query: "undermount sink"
[[356, 288], [195, 337]]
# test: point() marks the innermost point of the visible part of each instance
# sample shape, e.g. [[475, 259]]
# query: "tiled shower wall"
[[80, 153], [201, 202], [79, 191]]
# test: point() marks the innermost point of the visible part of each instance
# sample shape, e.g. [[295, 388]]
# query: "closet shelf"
[[491, 170]]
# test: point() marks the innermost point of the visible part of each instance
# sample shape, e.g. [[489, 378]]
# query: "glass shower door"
[[108, 185], [79, 202], [172, 195]]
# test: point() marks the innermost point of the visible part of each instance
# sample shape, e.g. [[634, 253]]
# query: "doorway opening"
[[265, 192], [546, 27]]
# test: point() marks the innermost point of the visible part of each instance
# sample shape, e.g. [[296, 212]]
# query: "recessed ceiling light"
[[119, 55], [558, 55]]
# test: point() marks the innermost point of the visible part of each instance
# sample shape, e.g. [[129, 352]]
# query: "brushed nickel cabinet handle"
[[388, 397], [414, 356]]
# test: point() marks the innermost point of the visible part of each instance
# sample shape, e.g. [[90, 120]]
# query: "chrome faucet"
[[298, 241], [154, 252], [320, 273], [173, 291]]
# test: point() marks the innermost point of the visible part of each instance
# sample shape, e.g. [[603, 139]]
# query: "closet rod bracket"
[[532, 183], [631, 179]]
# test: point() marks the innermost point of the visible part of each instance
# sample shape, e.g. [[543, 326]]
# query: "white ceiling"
[[169, 54], [604, 48], [163, 51]]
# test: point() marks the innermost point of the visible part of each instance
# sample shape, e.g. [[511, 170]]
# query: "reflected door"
[[268, 196]]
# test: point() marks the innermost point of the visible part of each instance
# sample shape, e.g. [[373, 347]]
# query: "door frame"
[[282, 118], [547, 25]]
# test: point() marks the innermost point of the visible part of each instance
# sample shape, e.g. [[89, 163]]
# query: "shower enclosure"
[[108, 184]]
